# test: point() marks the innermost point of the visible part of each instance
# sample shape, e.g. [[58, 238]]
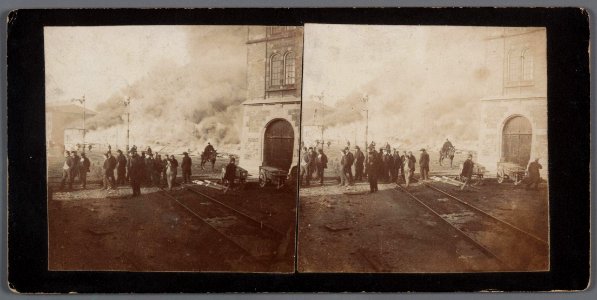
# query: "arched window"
[[527, 65], [277, 70], [514, 66], [289, 68]]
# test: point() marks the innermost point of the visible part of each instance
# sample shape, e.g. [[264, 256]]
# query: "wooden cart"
[[508, 171], [272, 175]]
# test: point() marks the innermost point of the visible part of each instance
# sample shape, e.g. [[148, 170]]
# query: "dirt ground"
[[390, 232], [95, 230]]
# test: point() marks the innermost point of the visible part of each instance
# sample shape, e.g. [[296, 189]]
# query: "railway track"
[[251, 235], [514, 248]]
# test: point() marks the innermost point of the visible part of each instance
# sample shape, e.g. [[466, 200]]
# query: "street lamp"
[[82, 101], [320, 98], [365, 100], [127, 103]]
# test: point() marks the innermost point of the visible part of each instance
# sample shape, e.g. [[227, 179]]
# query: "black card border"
[[568, 134]]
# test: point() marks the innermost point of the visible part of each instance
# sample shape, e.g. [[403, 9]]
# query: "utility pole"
[[320, 98], [366, 109], [82, 101], [127, 103]]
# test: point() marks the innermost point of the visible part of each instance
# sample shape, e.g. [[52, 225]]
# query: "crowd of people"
[[145, 169], [385, 164]]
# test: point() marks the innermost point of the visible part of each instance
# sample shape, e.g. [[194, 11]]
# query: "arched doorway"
[[516, 141], [278, 144]]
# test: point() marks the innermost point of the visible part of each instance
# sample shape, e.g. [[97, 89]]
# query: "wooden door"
[[516, 141], [278, 144]]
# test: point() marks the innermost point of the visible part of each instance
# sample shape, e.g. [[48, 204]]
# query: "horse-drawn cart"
[[272, 175], [510, 171]]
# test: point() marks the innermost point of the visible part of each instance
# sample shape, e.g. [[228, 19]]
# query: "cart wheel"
[[500, 177], [262, 180]]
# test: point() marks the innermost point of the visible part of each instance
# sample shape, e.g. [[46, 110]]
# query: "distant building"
[[271, 113], [514, 113], [64, 126]]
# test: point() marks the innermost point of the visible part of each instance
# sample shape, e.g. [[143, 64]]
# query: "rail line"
[[513, 247], [538, 239], [462, 233], [249, 237], [236, 211]]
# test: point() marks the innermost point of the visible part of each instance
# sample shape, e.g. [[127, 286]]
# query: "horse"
[[208, 157], [447, 153]]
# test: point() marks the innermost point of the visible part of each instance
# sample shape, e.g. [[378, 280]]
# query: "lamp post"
[[127, 103], [82, 101], [366, 109], [320, 98]]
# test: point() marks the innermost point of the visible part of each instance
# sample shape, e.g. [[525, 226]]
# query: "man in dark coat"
[[229, 175], [84, 169], [208, 149], [157, 169], [313, 163], [149, 165], [348, 167], [322, 164], [305, 163], [412, 163], [136, 170], [534, 176], [76, 165], [174, 164], [397, 165], [424, 164], [467, 171], [66, 171], [120, 168], [447, 146], [387, 165], [358, 165], [108, 167], [186, 168], [373, 164]]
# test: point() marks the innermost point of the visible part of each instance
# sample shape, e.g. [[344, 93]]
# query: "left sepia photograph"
[[172, 148]]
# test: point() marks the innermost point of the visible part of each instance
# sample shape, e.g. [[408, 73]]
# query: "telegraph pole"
[[127, 103], [366, 109], [82, 101], [320, 98]]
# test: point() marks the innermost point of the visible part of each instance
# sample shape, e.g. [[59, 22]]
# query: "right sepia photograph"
[[423, 150]]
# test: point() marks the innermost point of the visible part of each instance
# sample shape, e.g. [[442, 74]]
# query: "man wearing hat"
[[424, 164], [66, 172], [305, 161], [186, 168], [358, 165], [467, 171], [348, 168], [373, 164], [120, 168], [108, 167], [136, 170], [230, 174], [84, 169], [534, 176]]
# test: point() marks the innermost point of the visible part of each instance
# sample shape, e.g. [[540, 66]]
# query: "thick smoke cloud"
[[183, 105], [424, 84]]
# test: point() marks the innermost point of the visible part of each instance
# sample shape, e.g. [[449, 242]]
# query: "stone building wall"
[[515, 88], [266, 103]]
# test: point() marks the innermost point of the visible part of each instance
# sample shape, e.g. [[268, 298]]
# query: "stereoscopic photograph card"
[[298, 150]]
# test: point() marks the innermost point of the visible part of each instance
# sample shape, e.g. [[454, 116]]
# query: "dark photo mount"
[[569, 161]]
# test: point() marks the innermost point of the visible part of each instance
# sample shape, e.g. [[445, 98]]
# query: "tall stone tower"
[[271, 113], [514, 112]]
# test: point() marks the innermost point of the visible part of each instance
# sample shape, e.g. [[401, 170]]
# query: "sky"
[[186, 83], [423, 83], [96, 61]]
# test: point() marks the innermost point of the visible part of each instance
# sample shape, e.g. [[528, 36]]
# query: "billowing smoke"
[[182, 105], [424, 84]]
